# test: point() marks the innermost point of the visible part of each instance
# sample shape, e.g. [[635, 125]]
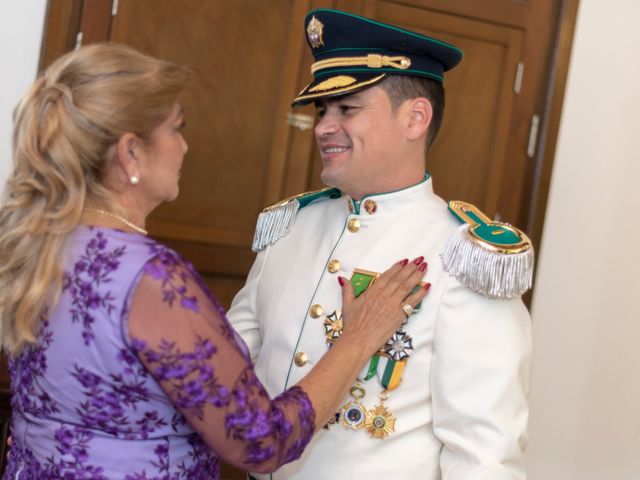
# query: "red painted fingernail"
[[341, 281], [426, 286], [418, 260], [404, 262], [422, 267]]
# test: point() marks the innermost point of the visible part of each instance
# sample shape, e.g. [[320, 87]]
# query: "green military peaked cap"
[[353, 52]]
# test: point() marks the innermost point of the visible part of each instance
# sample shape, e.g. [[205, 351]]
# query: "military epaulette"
[[276, 221], [491, 258]]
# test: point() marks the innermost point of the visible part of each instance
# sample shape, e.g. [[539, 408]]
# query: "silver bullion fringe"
[[274, 224], [495, 275]]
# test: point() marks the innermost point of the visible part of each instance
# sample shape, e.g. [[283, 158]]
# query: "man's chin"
[[330, 178]]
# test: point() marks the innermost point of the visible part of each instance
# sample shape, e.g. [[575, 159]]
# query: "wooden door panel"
[[506, 12], [468, 156], [242, 49]]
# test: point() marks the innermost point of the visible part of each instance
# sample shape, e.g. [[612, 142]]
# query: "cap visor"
[[336, 84]]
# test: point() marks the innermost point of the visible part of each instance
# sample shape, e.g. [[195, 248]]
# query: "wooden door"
[[248, 149]]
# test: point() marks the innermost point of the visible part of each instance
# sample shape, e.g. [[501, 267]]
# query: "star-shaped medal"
[[399, 346], [333, 326], [380, 422]]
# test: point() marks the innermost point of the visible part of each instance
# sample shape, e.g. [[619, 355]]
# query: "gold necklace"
[[118, 217]]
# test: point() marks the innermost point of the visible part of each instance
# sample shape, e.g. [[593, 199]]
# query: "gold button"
[[316, 311], [353, 225], [334, 266], [301, 359], [370, 206]]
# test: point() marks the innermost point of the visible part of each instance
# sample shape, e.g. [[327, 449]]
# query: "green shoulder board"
[[276, 221], [491, 258]]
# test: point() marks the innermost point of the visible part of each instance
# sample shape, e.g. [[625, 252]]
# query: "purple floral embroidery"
[[174, 273], [73, 446], [23, 464], [109, 403], [90, 271], [204, 464], [257, 428], [167, 267], [25, 369], [177, 420], [306, 417], [193, 383]]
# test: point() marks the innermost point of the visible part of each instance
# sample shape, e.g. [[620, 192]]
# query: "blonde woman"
[[122, 363]]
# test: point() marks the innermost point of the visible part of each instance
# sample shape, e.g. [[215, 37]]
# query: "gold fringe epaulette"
[[276, 221], [491, 258]]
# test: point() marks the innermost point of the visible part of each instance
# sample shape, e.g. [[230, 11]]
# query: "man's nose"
[[327, 124]]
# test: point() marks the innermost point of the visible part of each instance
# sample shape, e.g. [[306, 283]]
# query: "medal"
[[388, 364], [333, 326], [380, 422], [354, 413], [399, 346]]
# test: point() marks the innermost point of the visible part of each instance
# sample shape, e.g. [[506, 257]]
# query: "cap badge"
[[314, 32]]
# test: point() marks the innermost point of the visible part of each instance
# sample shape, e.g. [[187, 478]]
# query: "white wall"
[[585, 422], [21, 23]]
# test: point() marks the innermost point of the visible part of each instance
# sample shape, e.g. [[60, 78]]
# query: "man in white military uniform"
[[446, 397]]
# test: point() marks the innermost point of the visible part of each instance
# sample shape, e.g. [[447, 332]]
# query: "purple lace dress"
[[137, 374]]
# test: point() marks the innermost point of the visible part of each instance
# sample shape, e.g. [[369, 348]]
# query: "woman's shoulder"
[[109, 253], [104, 239]]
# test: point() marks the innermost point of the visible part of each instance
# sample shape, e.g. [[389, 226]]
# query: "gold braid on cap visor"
[[372, 60]]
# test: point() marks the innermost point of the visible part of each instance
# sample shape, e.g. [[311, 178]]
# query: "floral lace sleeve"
[[183, 338]]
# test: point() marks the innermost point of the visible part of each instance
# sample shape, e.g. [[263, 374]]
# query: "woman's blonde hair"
[[64, 128]]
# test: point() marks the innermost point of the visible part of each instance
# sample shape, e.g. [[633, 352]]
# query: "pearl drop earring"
[[133, 180]]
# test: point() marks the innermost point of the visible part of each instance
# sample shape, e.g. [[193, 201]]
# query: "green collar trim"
[[356, 203], [307, 198]]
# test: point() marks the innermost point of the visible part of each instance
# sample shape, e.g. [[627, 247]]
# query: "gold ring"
[[407, 309]]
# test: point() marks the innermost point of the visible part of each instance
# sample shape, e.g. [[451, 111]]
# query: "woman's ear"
[[420, 114], [128, 152]]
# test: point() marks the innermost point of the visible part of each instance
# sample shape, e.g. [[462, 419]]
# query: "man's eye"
[[321, 112], [346, 108]]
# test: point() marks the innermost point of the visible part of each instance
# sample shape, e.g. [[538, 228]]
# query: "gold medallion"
[[314, 32], [380, 422], [354, 413]]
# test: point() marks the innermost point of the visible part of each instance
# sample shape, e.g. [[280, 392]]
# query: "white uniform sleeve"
[[480, 385], [243, 313]]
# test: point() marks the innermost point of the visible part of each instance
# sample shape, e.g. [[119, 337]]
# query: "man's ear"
[[420, 113], [128, 152]]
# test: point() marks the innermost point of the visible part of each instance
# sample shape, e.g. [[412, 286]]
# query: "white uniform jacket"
[[462, 405]]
